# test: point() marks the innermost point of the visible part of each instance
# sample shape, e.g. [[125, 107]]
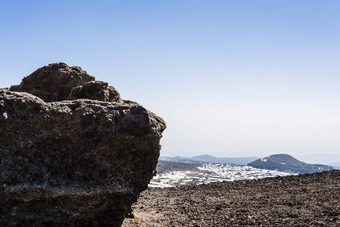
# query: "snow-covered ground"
[[207, 173]]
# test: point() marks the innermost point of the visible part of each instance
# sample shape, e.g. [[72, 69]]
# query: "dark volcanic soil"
[[303, 200]]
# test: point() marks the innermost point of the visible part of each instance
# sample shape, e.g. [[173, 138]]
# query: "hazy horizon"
[[316, 158], [230, 78]]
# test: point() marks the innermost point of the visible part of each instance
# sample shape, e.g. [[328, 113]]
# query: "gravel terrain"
[[300, 200]]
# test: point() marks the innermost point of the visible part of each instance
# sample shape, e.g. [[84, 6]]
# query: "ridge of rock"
[[78, 162]]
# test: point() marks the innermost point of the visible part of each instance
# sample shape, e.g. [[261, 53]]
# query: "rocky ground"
[[301, 200]]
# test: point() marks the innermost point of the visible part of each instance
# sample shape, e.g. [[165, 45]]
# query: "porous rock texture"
[[72, 152]]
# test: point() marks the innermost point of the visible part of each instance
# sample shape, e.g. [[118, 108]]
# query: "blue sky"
[[231, 78]]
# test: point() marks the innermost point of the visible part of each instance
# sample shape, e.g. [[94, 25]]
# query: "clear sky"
[[230, 78]]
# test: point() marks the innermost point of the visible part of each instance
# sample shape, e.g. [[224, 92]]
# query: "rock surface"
[[53, 82], [77, 162], [301, 200], [96, 90]]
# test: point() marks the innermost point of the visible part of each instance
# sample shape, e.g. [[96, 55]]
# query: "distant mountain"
[[169, 166], [287, 163], [175, 159], [211, 159], [224, 160]]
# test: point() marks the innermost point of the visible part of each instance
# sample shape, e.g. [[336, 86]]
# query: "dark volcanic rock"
[[96, 90], [74, 162], [53, 82]]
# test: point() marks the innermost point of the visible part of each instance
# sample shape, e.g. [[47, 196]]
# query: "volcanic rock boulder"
[[78, 162], [53, 82]]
